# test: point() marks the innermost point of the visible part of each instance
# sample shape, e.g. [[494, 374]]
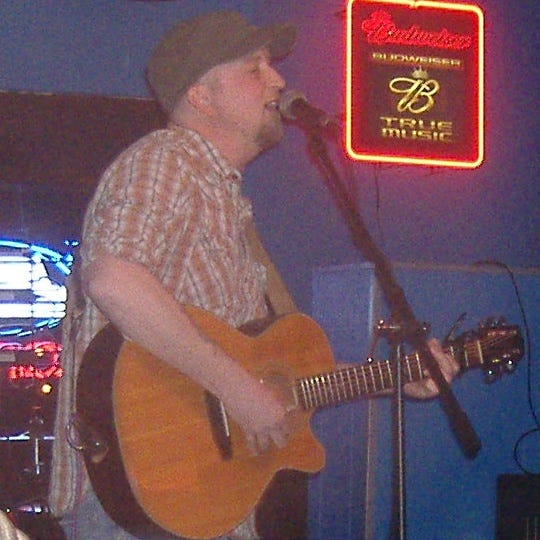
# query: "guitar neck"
[[350, 383]]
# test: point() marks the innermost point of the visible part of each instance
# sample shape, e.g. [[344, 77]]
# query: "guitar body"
[[160, 461], [162, 468]]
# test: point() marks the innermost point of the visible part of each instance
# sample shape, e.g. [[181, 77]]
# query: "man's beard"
[[270, 135]]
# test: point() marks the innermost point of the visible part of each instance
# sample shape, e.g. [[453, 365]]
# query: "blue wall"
[[416, 214]]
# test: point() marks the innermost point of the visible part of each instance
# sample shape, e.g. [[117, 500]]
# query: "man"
[[168, 226]]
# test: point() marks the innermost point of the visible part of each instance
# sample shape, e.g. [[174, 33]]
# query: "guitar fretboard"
[[350, 383]]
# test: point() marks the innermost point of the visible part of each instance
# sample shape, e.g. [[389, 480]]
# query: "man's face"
[[245, 94]]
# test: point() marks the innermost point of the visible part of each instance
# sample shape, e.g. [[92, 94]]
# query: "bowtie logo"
[[417, 92]]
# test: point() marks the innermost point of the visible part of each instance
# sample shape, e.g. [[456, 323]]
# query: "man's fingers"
[[259, 443], [280, 437], [448, 366]]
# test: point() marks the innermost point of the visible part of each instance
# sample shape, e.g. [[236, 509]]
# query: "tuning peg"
[[501, 364], [493, 322], [509, 364], [492, 374]]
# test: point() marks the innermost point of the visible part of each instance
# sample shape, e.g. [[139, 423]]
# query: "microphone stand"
[[404, 325]]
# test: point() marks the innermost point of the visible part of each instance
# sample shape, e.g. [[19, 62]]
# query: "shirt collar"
[[218, 163]]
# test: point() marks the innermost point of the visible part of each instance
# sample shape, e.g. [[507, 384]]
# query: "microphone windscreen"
[[286, 100]]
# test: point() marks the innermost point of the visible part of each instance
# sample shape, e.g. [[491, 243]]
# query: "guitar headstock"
[[496, 347]]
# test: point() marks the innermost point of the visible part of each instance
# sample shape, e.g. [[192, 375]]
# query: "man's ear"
[[200, 98]]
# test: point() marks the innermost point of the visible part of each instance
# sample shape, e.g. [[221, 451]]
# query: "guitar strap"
[[282, 512], [278, 296]]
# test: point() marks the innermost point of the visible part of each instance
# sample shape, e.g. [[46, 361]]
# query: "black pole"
[[401, 313]]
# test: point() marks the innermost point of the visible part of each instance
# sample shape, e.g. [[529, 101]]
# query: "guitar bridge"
[[219, 424]]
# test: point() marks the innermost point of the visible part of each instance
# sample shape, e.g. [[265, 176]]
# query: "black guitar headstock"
[[506, 347], [496, 347]]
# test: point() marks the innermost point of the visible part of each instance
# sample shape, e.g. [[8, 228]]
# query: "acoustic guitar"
[[162, 453]]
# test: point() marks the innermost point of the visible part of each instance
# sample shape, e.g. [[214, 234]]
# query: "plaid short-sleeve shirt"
[[171, 203]]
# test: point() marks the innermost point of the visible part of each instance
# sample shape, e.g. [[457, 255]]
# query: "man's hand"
[[263, 417], [426, 388]]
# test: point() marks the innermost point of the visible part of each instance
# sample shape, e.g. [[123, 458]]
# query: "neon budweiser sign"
[[415, 82]]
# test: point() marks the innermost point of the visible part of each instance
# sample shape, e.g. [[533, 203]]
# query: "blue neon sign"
[[32, 287]]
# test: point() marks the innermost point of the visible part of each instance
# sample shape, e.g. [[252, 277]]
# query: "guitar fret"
[[338, 381], [306, 402], [351, 387], [334, 388], [311, 393], [337, 386], [328, 388], [390, 376], [306, 395], [373, 380], [357, 381], [420, 371], [342, 385], [362, 382], [408, 365], [381, 385], [364, 378], [366, 372], [325, 389], [479, 349], [379, 375], [419, 368], [318, 394], [332, 391], [333, 385]]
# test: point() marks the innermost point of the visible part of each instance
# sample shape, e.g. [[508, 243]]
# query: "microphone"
[[293, 105]]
